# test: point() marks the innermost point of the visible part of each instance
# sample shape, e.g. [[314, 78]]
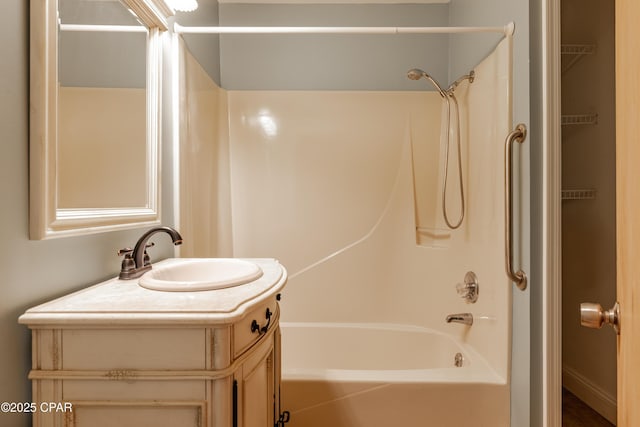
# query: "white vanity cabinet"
[[117, 354]]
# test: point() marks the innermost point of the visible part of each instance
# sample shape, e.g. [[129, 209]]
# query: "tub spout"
[[464, 318]]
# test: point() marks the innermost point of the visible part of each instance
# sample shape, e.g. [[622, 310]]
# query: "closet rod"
[[506, 30]]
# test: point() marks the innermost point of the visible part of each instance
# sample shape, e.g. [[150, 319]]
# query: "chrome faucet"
[[464, 318], [136, 261]]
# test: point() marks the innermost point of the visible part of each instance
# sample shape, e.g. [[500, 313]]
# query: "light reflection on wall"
[[267, 123]]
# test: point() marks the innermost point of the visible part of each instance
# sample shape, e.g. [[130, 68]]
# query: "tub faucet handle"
[[469, 289]]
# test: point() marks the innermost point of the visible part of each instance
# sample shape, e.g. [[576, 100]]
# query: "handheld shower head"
[[417, 74]]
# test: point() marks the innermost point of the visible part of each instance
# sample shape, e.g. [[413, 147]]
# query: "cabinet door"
[[277, 374], [257, 388], [124, 402]]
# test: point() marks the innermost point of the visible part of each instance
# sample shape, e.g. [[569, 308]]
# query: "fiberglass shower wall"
[[204, 211], [324, 180]]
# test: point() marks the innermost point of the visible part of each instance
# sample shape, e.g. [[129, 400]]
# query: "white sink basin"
[[200, 274]]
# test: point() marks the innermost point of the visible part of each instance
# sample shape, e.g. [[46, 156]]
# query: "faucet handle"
[[147, 258], [125, 251], [469, 289], [128, 264]]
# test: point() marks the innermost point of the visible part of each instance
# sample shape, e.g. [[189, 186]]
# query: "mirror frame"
[[46, 220]]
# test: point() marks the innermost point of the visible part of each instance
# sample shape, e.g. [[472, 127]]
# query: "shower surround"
[[336, 184]]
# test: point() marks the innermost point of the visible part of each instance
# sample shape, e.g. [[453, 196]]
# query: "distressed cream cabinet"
[[121, 355]]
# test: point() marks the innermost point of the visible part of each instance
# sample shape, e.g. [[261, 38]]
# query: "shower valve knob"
[[469, 290]]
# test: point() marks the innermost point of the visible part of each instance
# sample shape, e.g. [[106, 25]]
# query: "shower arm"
[[453, 86], [517, 135]]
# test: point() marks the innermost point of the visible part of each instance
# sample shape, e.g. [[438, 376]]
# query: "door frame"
[[551, 259]]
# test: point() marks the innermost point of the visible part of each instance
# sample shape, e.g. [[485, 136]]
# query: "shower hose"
[[457, 224]]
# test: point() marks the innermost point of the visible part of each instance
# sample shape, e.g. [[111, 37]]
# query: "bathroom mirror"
[[94, 115]]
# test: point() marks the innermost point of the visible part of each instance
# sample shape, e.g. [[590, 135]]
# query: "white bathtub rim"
[[416, 376], [476, 370], [366, 325]]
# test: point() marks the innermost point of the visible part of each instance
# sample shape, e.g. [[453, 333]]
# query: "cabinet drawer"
[[109, 390], [136, 414], [147, 349], [244, 331]]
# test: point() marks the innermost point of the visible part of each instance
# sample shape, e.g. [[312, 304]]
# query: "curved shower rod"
[[507, 30]]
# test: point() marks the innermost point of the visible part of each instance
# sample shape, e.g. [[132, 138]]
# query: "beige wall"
[[588, 237], [205, 207]]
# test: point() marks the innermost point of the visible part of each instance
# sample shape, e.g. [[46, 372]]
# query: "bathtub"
[[375, 375]]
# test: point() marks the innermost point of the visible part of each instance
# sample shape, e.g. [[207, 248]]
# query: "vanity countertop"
[[120, 302]]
